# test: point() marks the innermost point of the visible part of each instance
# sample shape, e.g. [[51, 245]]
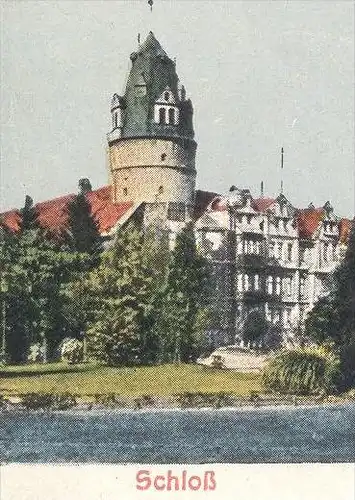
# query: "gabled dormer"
[[166, 110]]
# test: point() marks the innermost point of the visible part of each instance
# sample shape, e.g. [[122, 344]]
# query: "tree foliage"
[[84, 235], [122, 297], [303, 371], [332, 320], [184, 296], [33, 271]]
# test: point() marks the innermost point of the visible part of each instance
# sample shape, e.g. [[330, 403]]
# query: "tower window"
[[166, 96], [161, 190], [125, 191], [163, 157], [162, 115], [115, 120], [172, 116]]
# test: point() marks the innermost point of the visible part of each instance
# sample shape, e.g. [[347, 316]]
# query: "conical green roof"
[[151, 73]]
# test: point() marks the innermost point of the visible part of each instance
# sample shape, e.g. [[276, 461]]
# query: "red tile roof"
[[262, 204], [53, 215], [11, 220], [345, 226], [202, 200], [308, 221]]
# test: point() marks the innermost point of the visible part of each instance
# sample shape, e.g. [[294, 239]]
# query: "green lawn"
[[89, 379]]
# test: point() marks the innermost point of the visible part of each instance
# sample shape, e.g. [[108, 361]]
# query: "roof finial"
[[150, 2], [262, 189], [139, 38], [282, 167]]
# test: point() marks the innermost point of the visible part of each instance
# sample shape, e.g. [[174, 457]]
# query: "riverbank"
[[185, 401]]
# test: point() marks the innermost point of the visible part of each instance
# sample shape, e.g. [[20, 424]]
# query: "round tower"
[[151, 144]]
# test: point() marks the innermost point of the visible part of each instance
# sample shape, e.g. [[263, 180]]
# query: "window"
[[166, 96], [272, 249], [256, 282], [278, 251], [161, 190], [289, 251], [285, 225], [249, 219], [240, 282], [278, 285], [176, 211], [270, 285], [240, 248], [125, 191], [162, 115], [288, 286], [172, 116], [115, 120], [163, 157], [258, 247], [302, 286], [246, 282]]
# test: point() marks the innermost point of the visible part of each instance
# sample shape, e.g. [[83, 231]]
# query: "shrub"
[[37, 401], [110, 399], [63, 401], [217, 361], [304, 371], [72, 351], [222, 399], [36, 353]]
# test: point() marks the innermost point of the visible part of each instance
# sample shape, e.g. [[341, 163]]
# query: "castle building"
[[269, 256], [151, 147]]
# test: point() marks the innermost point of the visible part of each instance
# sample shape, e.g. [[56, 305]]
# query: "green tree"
[[186, 292], [122, 298], [333, 317], [34, 269], [29, 215], [255, 327], [84, 235]]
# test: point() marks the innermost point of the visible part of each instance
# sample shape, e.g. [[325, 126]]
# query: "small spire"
[[262, 189], [282, 167], [139, 39]]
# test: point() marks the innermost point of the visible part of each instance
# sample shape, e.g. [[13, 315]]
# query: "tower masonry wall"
[[153, 170]]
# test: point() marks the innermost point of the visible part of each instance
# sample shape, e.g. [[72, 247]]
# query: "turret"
[[151, 144]]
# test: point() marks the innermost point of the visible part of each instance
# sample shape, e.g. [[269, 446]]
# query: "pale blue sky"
[[261, 75]]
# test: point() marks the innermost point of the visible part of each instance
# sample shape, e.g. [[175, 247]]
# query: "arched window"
[[166, 96], [270, 283], [172, 116], [161, 190], [125, 191], [162, 115], [278, 285]]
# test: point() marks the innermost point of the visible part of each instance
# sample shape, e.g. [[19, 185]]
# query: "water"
[[314, 434]]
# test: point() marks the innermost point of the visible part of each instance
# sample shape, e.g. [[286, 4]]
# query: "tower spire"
[[282, 168]]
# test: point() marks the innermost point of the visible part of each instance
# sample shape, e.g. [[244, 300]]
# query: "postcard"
[[177, 250]]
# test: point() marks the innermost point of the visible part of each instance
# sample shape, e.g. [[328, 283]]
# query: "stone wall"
[[153, 170]]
